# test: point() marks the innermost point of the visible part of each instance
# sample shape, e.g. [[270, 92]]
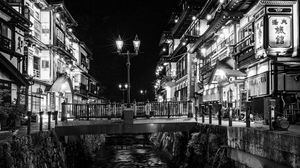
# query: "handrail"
[[115, 110]]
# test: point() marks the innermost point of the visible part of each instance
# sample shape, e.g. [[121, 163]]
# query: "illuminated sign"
[[280, 28], [258, 85]]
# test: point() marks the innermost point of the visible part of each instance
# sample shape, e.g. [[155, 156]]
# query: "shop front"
[[61, 91]]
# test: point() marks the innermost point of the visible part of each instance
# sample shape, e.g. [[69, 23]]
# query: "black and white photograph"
[[149, 84]]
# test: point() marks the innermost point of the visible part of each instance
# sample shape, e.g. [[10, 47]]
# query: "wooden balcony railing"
[[36, 73], [5, 42], [243, 51], [244, 44]]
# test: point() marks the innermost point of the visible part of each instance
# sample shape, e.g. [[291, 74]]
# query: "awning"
[[62, 84], [6, 66], [223, 70], [233, 73]]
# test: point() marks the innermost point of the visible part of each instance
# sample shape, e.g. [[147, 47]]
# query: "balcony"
[[5, 42], [62, 49], [243, 51], [36, 73], [185, 19], [83, 89], [181, 74]]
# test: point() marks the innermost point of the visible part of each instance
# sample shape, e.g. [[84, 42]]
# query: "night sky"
[[99, 24]]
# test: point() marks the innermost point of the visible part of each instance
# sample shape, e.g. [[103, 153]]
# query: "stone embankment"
[[46, 150], [221, 146], [37, 150]]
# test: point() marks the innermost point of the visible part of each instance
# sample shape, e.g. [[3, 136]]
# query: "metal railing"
[[170, 109], [91, 111], [115, 110]]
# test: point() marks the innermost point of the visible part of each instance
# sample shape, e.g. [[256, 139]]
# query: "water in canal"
[[132, 156]]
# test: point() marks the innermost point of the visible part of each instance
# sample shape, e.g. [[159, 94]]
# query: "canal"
[[127, 151], [136, 155]]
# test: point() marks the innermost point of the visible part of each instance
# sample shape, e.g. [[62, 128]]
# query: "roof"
[[60, 6], [227, 69], [21, 20], [13, 71]]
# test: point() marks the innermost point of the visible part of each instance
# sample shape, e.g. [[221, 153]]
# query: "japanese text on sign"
[[280, 31]]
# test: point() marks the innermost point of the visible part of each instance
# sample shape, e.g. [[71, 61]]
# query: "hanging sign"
[[280, 31], [259, 35], [19, 41]]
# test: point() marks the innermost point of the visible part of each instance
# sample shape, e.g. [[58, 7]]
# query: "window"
[[45, 64], [5, 36], [36, 66], [5, 92], [249, 29], [181, 67]]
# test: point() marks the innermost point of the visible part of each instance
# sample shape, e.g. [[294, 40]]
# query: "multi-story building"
[[178, 81], [245, 50], [56, 61], [13, 27]]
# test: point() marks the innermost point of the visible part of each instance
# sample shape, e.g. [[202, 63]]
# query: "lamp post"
[[143, 93], [123, 88], [136, 45]]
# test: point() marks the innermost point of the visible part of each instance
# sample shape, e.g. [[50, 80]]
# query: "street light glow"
[[119, 43], [136, 43], [208, 17], [57, 15], [203, 51]]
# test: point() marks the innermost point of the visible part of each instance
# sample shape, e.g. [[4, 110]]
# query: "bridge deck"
[[79, 127]]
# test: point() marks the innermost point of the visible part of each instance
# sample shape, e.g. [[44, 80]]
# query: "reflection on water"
[[128, 157]]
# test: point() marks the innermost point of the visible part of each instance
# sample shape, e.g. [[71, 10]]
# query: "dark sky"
[[99, 24]]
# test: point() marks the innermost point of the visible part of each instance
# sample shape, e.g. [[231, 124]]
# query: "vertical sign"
[[19, 41], [259, 34], [280, 31]]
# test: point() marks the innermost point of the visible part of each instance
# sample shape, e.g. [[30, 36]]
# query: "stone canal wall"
[[80, 150], [202, 148], [46, 150], [263, 148], [221, 146], [38, 150]]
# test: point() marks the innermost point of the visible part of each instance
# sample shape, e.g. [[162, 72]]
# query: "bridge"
[[115, 118]]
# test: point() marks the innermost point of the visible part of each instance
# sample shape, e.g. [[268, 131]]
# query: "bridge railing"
[[165, 109], [115, 110], [91, 111]]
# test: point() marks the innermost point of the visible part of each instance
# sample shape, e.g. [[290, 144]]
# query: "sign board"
[[19, 41], [280, 29], [259, 34], [258, 84]]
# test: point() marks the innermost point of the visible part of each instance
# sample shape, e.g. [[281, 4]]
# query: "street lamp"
[[136, 45], [123, 88], [143, 92]]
